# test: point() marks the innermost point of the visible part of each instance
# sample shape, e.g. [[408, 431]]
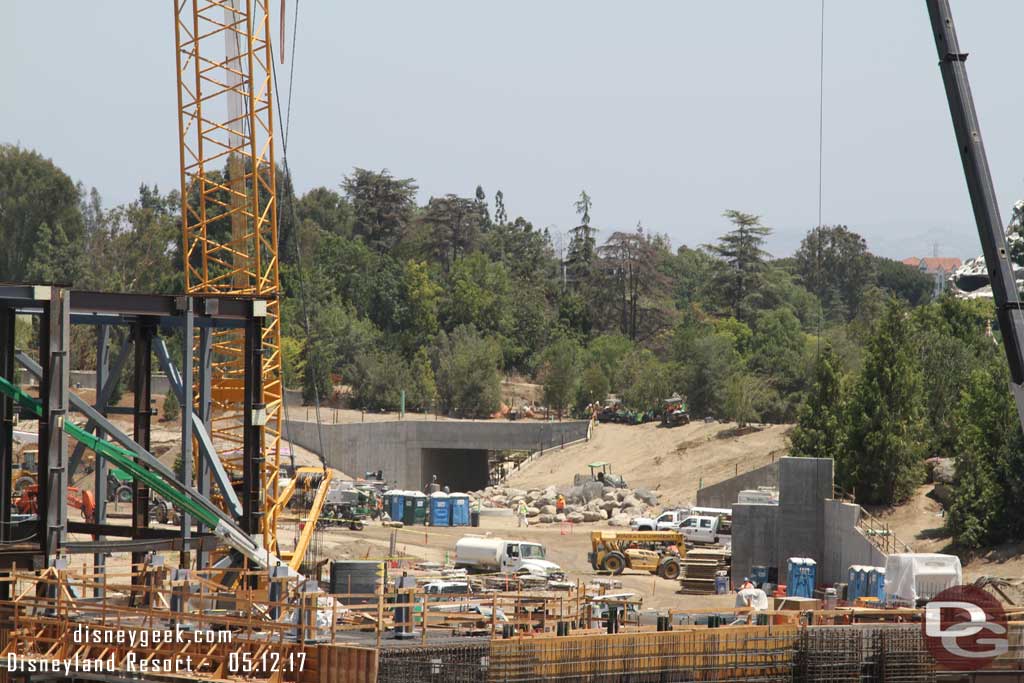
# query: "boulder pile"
[[590, 502]]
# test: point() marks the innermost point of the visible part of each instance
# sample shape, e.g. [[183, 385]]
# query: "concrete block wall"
[[725, 493]]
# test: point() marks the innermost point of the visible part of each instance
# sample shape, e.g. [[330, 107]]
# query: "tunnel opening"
[[460, 469]]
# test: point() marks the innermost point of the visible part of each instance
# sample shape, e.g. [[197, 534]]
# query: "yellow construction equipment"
[[306, 476], [657, 552], [229, 219]]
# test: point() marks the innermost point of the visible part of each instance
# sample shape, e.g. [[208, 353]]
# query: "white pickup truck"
[[670, 520], [707, 529]]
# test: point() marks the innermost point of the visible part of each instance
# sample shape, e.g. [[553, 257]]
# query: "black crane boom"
[[952, 63]]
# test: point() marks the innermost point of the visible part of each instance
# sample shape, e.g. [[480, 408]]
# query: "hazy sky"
[[666, 112]]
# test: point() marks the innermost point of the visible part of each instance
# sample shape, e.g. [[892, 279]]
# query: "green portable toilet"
[[419, 507], [408, 508]]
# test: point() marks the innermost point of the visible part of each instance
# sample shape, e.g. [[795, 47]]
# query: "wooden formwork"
[[336, 663], [746, 653]]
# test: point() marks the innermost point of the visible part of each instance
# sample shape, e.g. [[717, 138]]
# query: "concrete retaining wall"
[[804, 483], [770, 534], [807, 522], [725, 493], [86, 379], [846, 544], [411, 451], [753, 538]]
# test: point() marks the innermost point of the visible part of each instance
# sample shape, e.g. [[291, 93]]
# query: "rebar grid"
[[450, 664], [874, 653]]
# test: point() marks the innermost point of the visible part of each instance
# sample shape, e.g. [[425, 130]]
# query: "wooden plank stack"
[[699, 568]]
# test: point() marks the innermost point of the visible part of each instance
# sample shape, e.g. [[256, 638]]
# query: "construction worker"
[[521, 513], [747, 583], [560, 503]]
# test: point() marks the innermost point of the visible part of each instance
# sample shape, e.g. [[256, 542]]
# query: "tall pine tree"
[[819, 430], [883, 458], [988, 480], [741, 252]]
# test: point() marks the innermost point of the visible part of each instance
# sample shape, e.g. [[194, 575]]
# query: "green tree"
[[636, 290], [378, 378], [466, 370], [382, 206], [593, 387], [833, 262], [986, 486], [422, 390], [883, 459], [741, 252], [172, 408], [338, 336], [712, 362], [453, 226], [333, 213], [744, 395], [647, 381], [692, 272], [777, 355], [582, 252], [559, 373], [903, 281], [479, 294], [41, 223], [608, 352], [136, 247], [820, 432]]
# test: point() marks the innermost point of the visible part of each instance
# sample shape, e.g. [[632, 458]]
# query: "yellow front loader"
[[657, 552]]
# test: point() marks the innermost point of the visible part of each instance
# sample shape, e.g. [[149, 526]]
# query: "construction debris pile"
[[589, 502]]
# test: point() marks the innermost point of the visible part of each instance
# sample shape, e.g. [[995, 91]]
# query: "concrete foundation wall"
[[804, 483], [401, 447], [753, 538], [725, 493], [769, 534], [846, 544]]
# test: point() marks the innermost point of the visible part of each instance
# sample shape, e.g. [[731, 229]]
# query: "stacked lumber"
[[699, 569]]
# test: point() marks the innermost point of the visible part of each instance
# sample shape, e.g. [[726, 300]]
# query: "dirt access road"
[[670, 462], [437, 544]]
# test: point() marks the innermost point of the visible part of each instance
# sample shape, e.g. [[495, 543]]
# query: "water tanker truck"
[[485, 554]]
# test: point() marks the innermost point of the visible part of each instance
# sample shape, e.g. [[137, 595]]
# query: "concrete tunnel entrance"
[[460, 469]]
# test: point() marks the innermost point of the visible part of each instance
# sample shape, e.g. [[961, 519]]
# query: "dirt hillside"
[[671, 462]]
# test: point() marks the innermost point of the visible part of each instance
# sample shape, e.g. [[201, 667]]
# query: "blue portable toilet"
[[459, 503], [857, 585], [876, 583], [440, 510], [394, 502], [800, 577]]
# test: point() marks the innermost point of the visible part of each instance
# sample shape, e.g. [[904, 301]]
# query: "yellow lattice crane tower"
[[229, 220]]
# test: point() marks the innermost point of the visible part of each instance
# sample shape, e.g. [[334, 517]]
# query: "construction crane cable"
[[821, 156], [298, 249]]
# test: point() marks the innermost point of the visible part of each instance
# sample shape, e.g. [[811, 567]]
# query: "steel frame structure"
[[229, 220], [145, 315]]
